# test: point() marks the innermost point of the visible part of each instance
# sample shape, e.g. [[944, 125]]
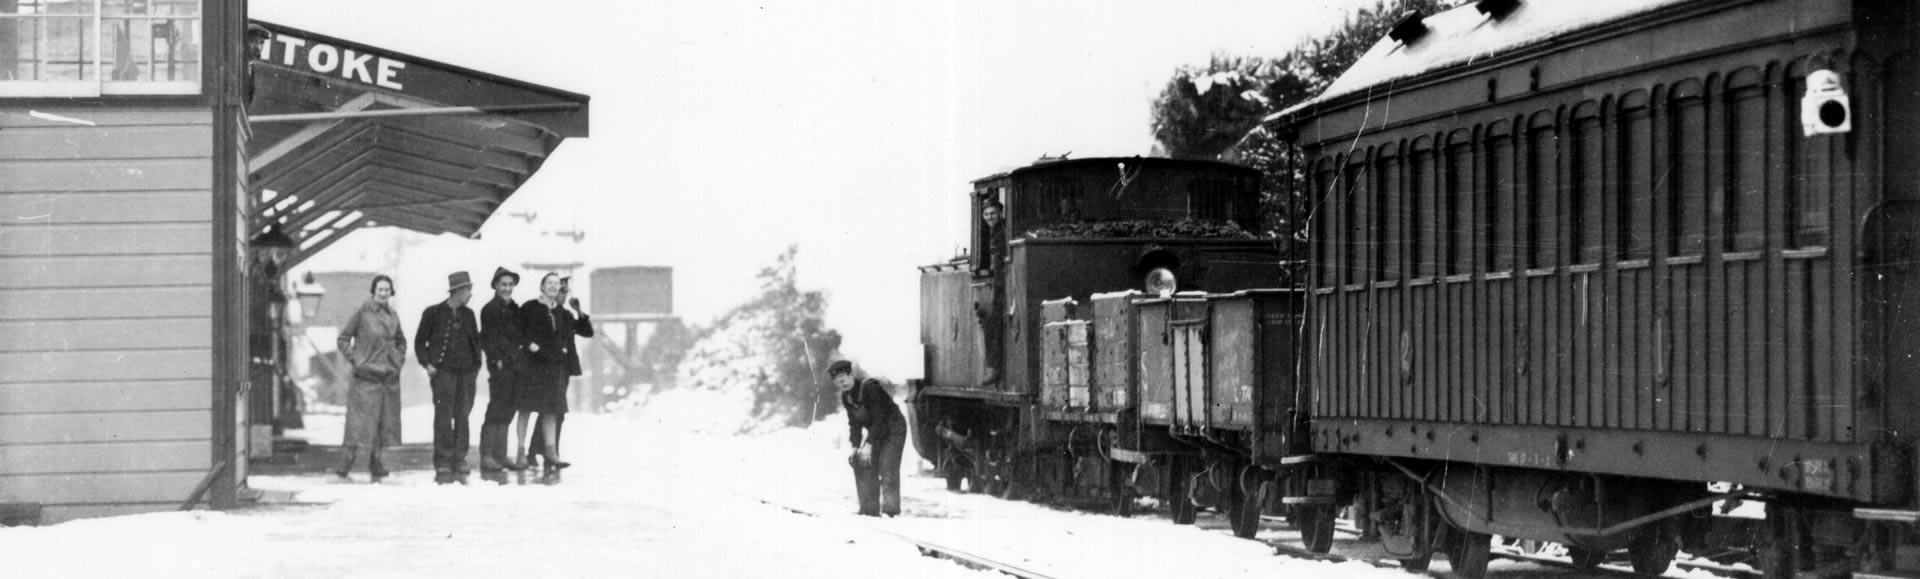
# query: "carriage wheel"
[[1652, 550], [1469, 554]]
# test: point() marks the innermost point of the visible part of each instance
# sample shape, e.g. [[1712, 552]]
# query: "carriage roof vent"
[[1409, 29], [1496, 8]]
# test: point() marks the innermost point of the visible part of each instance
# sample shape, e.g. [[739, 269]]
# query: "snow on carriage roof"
[[1462, 34]]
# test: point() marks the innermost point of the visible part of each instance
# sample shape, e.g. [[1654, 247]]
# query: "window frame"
[[99, 85]]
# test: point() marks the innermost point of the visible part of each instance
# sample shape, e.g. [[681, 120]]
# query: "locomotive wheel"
[[1652, 551], [1585, 559], [1469, 553], [1316, 527]]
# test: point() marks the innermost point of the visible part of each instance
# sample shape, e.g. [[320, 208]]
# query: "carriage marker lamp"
[[1160, 282], [1824, 110]]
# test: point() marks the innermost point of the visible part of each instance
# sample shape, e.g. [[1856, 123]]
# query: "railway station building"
[[162, 164]]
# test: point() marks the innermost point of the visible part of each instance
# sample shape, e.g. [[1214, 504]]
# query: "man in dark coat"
[[500, 336], [878, 432], [990, 287], [582, 327], [447, 344]]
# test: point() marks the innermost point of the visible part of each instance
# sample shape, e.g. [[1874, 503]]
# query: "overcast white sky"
[[724, 131]]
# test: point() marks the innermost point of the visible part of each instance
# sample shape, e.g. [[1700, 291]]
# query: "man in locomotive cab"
[[987, 302]]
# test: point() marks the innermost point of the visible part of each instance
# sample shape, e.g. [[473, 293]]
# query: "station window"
[[79, 48]]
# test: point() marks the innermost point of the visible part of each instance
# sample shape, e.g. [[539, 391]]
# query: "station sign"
[[633, 290], [349, 63]]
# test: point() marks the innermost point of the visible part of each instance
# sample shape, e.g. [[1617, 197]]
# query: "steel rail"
[[928, 548]]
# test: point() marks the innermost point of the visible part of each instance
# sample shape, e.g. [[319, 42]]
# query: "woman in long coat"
[[376, 346], [548, 342]]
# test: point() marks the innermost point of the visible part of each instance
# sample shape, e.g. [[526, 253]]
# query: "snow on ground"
[[653, 493]]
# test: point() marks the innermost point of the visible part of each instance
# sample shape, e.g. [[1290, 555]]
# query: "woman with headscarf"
[[375, 346]]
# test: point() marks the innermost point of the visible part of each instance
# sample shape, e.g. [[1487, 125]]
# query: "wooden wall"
[[105, 309]]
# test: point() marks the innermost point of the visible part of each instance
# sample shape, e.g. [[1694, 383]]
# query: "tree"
[[775, 347], [1214, 112]]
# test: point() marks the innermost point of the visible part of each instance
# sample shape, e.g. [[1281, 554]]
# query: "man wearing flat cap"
[[500, 337], [447, 344], [878, 432]]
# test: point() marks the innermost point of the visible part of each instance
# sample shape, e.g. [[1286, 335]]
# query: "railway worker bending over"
[[879, 434]]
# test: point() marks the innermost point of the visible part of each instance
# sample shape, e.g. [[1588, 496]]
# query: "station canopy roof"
[[345, 135]]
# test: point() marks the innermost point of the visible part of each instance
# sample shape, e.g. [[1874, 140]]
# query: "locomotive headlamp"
[[1824, 110], [1160, 282]]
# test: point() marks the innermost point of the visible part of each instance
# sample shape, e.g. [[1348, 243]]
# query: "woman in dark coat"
[[878, 432], [549, 340], [376, 346]]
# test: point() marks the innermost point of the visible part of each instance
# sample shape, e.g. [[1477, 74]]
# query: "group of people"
[[527, 349]]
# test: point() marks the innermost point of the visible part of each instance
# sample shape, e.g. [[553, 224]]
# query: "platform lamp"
[[272, 248], [309, 292]]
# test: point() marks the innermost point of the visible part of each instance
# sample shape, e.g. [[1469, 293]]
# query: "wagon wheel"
[[1179, 478], [1586, 559], [1469, 553], [955, 476], [1118, 488], [1417, 564], [1243, 506], [1316, 526], [1652, 550]]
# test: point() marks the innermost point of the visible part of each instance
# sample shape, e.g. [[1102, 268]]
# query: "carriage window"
[[1460, 201], [1358, 218], [1636, 167], [1543, 212], [1322, 225], [1747, 129], [1807, 203], [1499, 199], [1688, 201], [1059, 200], [1391, 219], [77, 48], [1587, 171], [1427, 226]]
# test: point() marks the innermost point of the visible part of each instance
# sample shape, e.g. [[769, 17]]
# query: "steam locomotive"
[[1631, 277]]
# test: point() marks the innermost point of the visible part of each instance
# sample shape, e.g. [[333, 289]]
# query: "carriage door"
[[1892, 313]]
